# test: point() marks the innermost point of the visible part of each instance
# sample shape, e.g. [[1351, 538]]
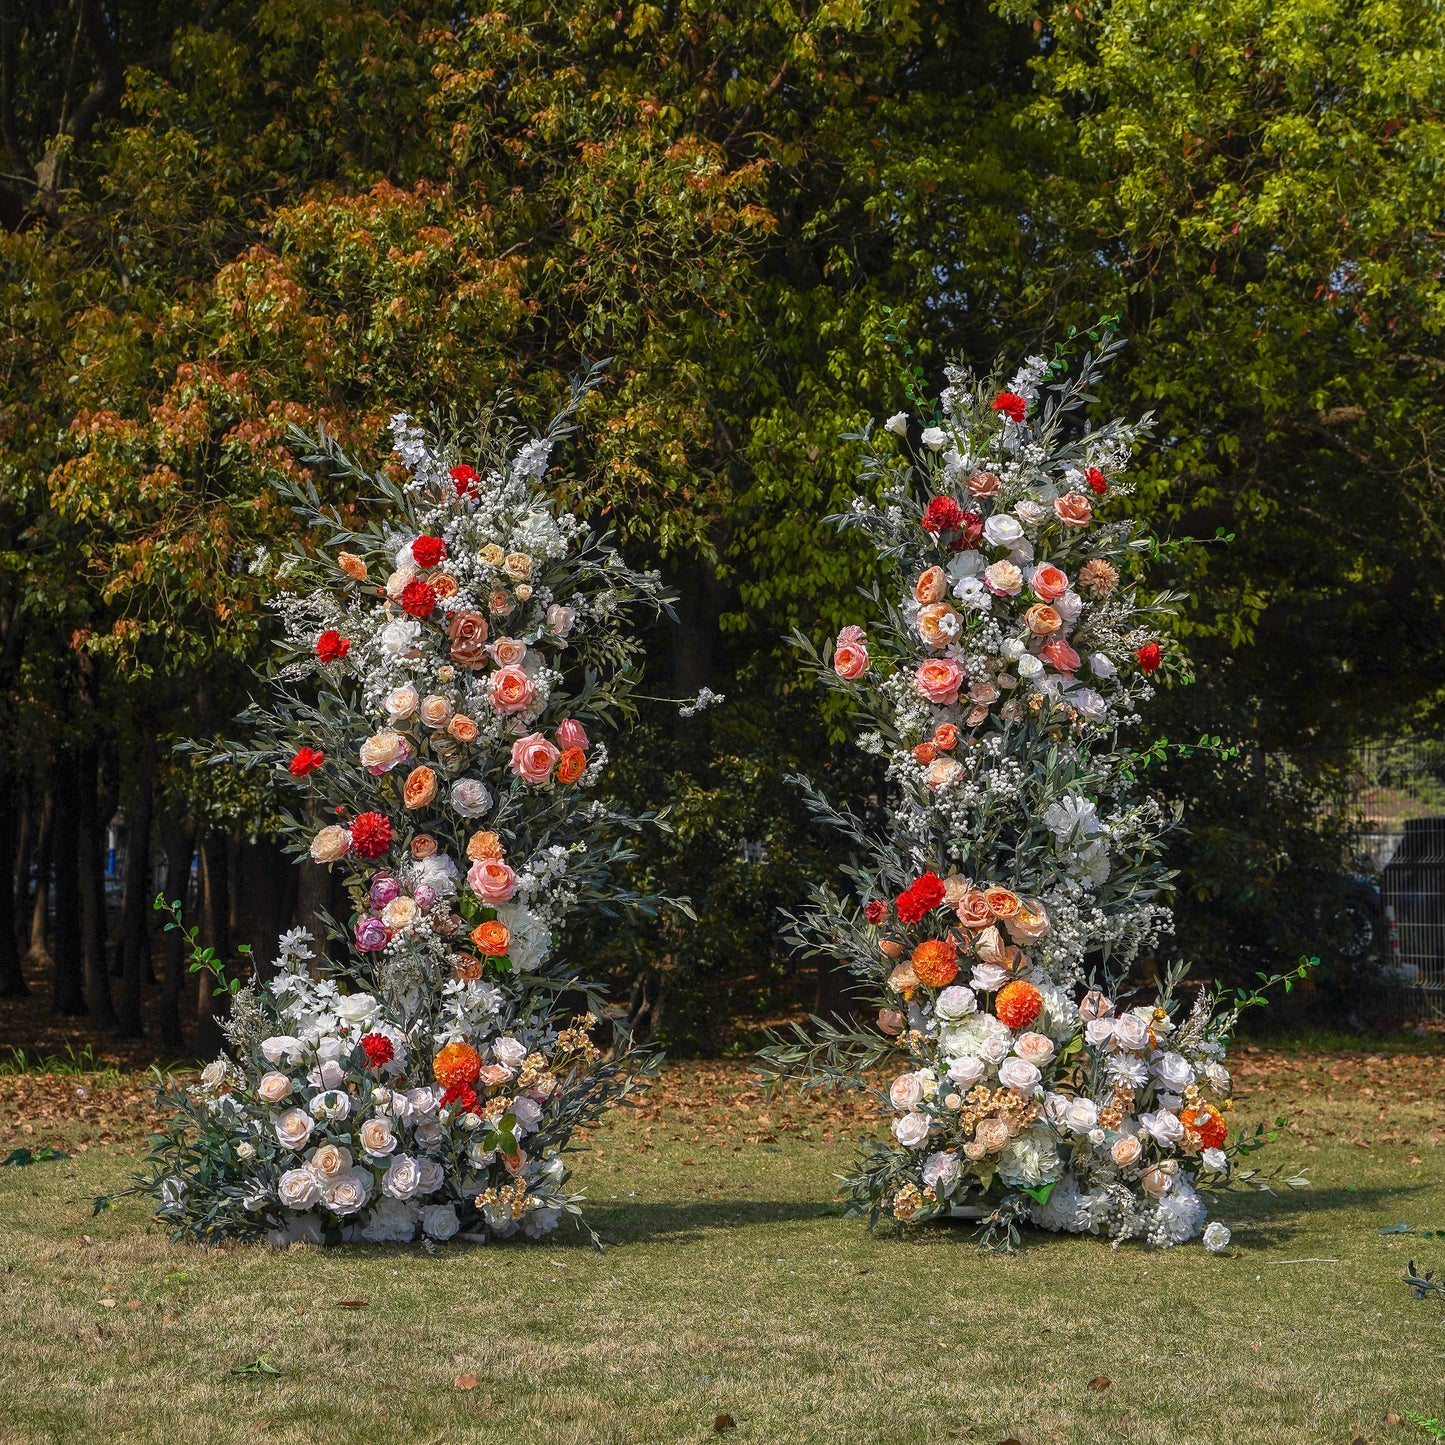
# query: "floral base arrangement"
[[444, 667], [994, 923]]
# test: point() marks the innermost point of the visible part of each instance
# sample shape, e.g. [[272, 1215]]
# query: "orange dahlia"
[[1018, 1004], [935, 962], [457, 1066], [1207, 1124]]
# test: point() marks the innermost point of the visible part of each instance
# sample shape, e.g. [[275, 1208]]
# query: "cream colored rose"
[[403, 1178], [348, 1193], [400, 913], [905, 1091], [330, 844], [1003, 579], [993, 1135], [941, 772], [1125, 1150], [401, 702], [377, 1137], [436, 711], [214, 1074], [382, 751], [524, 592], [331, 1161], [273, 1088], [293, 1128], [507, 651], [1156, 1181], [518, 566], [1034, 1048], [396, 583], [298, 1189], [490, 555]]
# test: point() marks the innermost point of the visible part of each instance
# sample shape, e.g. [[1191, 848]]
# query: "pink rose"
[[939, 679], [1094, 1005], [1073, 509], [1050, 583], [492, 880], [511, 690], [507, 651], [1059, 655], [850, 659], [533, 758], [571, 734]]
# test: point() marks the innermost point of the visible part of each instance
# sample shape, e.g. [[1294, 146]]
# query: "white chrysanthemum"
[[980, 1035], [1031, 1160], [390, 1221], [1065, 1210]]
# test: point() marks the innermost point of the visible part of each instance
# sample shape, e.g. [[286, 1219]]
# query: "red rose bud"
[[1014, 407], [1149, 657], [332, 645], [371, 834], [1097, 481], [942, 514], [875, 911], [969, 532], [418, 598], [465, 479], [428, 551], [306, 761]]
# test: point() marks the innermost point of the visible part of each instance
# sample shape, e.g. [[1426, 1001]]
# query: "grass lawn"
[[730, 1288]]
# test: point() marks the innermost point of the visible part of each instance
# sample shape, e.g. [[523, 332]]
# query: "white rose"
[[282, 1047], [273, 1088], [897, 424], [1030, 512], [348, 1193], [560, 619], [421, 1102], [966, 1072], [214, 1074], [1081, 1116], [934, 437], [1087, 703], [403, 1177], [401, 702], [1216, 1237], [1069, 606], [330, 1075], [433, 1176], [508, 1052], [955, 1002], [996, 1047], [479, 1156], [333, 1104], [439, 1221], [1029, 666], [332, 1047], [1218, 1077], [293, 1129], [941, 1172], [1019, 1075], [1034, 1048], [470, 797], [988, 977], [1002, 530], [905, 1092], [356, 1008], [1098, 1032], [1101, 667], [1216, 1160], [1131, 1033], [1173, 1071], [428, 1133], [911, 1130], [246, 1150], [397, 637], [1163, 1127], [298, 1189], [377, 1138], [528, 1113]]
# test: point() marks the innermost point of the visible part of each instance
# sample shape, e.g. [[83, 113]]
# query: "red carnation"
[[428, 551], [379, 1049], [875, 911], [418, 598], [466, 479], [462, 1094], [921, 897], [1097, 481], [307, 760], [371, 834], [943, 514], [1013, 406], [1149, 656], [970, 532], [331, 645]]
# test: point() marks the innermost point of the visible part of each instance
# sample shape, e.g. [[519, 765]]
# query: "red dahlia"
[[371, 834], [921, 897], [1013, 406], [331, 645], [465, 478], [1149, 656], [1097, 481], [428, 551], [307, 760], [462, 1094], [378, 1048], [875, 911], [418, 598], [942, 514]]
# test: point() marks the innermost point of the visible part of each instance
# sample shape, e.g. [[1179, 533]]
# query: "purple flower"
[[424, 894], [371, 935], [383, 889]]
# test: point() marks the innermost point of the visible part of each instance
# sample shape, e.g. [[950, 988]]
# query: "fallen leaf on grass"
[[1391, 1418], [1100, 1382], [351, 1304], [108, 1304], [466, 1382], [259, 1366], [723, 1424]]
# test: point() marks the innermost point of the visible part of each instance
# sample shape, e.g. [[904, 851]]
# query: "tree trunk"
[[92, 889], [12, 977], [215, 933], [180, 845], [20, 883], [67, 938], [135, 937], [39, 949], [698, 604]]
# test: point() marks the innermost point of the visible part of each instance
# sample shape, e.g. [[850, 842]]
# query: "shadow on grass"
[[1273, 1219], [624, 1222]]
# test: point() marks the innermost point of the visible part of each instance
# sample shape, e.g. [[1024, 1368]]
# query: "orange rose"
[[462, 728], [423, 846], [983, 484], [484, 847], [938, 624], [420, 788], [444, 585], [1002, 903], [571, 765], [946, 738], [931, 587], [1073, 510], [466, 968], [491, 938], [924, 753], [973, 910], [1050, 583], [1042, 620]]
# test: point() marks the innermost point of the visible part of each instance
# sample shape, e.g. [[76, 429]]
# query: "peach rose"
[[1035, 1049], [484, 845], [946, 738], [330, 844], [352, 565], [507, 651], [1126, 1150], [1042, 620], [518, 566], [931, 587], [982, 692], [1003, 579], [571, 734], [941, 772], [1049, 583], [400, 913], [989, 944], [500, 603], [938, 624], [382, 751], [467, 633], [533, 757], [445, 585], [492, 880], [993, 1135], [850, 659], [571, 765], [1029, 923], [400, 702], [939, 679], [490, 555], [423, 846], [1073, 510], [1001, 902], [510, 690], [1059, 655], [273, 1087], [420, 788], [973, 910], [462, 728], [1094, 1005], [1155, 1181], [436, 711], [983, 484], [396, 583]]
